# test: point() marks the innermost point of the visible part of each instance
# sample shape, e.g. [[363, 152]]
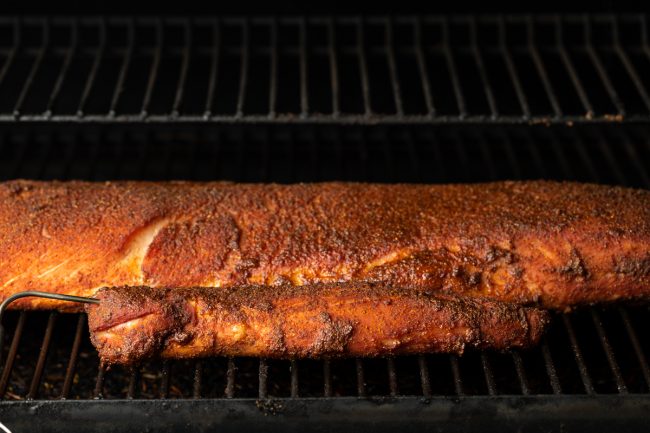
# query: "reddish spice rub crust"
[[349, 319], [559, 244]]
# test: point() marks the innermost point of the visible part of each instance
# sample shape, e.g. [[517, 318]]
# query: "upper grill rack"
[[488, 69]]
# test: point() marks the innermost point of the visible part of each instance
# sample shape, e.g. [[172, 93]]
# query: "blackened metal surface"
[[347, 70], [492, 414]]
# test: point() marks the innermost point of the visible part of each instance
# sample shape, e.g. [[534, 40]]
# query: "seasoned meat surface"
[[321, 320], [556, 244]]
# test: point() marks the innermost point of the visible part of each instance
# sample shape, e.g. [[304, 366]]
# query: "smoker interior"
[[401, 99]]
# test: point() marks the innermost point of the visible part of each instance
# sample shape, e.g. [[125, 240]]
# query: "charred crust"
[[516, 271], [633, 267], [575, 267], [332, 337], [326, 329], [495, 253]]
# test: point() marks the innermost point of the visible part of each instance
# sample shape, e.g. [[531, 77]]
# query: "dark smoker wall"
[[190, 7]]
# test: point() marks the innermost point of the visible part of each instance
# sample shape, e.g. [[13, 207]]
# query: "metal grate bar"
[[165, 378], [243, 80], [72, 50], [424, 376], [631, 333], [134, 379], [577, 353], [198, 378], [489, 375], [214, 67], [11, 356], [609, 353], [185, 66], [521, 373], [451, 66], [327, 378], [550, 368], [304, 77], [273, 71], [392, 68], [42, 357], [34, 70], [334, 68], [263, 379], [11, 56], [480, 65], [541, 70], [512, 70], [363, 68], [455, 371], [98, 393], [230, 379], [153, 72], [361, 381], [600, 69], [294, 378], [124, 69], [321, 119], [422, 68], [94, 69], [627, 63], [74, 354], [568, 64], [392, 377]]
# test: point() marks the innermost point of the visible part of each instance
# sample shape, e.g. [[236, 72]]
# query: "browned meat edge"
[[322, 320]]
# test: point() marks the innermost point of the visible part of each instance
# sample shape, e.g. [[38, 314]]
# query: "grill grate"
[[593, 351], [487, 69], [73, 371]]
